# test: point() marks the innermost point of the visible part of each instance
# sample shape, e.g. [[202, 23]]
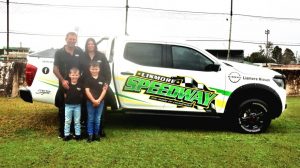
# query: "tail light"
[[30, 73]]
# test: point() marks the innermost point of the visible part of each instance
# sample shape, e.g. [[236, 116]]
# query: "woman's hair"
[[92, 40]]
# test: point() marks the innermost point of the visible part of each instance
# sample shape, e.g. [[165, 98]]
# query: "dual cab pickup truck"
[[171, 77]]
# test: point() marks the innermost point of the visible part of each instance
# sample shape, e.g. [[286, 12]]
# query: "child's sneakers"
[[102, 134], [67, 138], [77, 137], [90, 138], [97, 138]]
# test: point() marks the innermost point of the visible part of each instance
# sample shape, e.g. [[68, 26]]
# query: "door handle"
[[126, 73]]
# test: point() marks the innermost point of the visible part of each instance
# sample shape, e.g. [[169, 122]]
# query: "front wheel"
[[253, 116]]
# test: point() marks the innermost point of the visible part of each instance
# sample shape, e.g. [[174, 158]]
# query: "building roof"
[[49, 53], [15, 49], [222, 54]]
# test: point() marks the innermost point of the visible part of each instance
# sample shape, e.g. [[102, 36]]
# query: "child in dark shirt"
[[95, 90], [73, 98]]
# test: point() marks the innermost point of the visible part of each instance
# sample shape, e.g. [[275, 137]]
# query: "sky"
[[41, 25]]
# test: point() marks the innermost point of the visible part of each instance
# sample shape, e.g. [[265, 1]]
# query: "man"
[[65, 58]]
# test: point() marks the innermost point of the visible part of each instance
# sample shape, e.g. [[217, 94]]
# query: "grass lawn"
[[28, 138]]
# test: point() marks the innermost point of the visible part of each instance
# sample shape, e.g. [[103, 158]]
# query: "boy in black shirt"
[[95, 90], [73, 99]]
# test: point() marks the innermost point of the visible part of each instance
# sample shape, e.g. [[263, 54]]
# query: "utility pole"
[[126, 17], [7, 27], [229, 41], [267, 32]]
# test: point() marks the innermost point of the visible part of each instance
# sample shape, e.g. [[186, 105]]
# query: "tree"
[[277, 54], [258, 57], [288, 56]]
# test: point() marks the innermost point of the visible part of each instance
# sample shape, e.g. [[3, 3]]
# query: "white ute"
[[174, 78]]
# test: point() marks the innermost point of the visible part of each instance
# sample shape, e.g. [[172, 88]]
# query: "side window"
[[189, 59], [144, 54]]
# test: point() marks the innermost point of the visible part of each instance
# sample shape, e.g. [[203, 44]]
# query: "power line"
[[179, 11], [45, 35], [61, 5], [33, 34], [207, 40], [268, 17], [246, 42], [216, 13], [155, 9]]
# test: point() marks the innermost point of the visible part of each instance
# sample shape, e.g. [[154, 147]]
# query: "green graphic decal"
[[131, 98], [223, 92], [174, 90]]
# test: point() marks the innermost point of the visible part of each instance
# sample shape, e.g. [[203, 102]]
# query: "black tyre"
[[253, 116]]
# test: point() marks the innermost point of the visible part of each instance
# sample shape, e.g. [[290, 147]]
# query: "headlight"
[[279, 80]]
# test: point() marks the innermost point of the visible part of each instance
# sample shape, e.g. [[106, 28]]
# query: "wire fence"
[[292, 79]]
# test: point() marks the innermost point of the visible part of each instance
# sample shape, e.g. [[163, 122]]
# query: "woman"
[[92, 54]]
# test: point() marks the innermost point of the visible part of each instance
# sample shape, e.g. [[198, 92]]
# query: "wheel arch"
[[260, 91], [110, 99]]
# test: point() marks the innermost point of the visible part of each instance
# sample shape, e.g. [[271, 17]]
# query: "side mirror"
[[213, 67]]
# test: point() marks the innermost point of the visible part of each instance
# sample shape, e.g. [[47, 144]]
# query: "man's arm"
[[64, 82]]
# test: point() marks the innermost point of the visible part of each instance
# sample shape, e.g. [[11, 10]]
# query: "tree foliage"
[[288, 56], [277, 54], [261, 56]]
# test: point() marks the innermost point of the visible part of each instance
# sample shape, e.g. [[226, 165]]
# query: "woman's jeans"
[[94, 118], [70, 111]]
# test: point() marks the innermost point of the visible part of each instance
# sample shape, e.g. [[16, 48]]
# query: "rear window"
[[189, 59], [144, 54]]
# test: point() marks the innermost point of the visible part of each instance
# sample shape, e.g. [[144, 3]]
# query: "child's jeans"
[[70, 111], [94, 118]]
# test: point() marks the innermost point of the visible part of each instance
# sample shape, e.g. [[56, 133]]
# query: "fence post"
[[15, 81]]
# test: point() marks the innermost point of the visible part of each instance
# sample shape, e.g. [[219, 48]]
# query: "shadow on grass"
[[47, 122], [125, 121]]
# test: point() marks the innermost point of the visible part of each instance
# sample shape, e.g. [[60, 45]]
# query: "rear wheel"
[[253, 116]]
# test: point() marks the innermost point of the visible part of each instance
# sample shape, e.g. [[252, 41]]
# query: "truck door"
[[135, 70], [200, 83]]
